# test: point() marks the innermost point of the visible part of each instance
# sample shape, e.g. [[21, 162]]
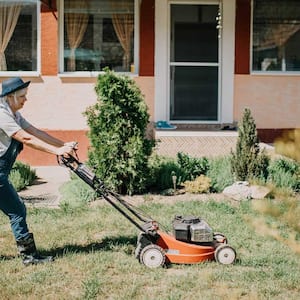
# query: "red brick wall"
[[49, 42], [242, 36], [38, 158], [147, 38]]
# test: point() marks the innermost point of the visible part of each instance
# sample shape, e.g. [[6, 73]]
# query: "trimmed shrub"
[[118, 121]]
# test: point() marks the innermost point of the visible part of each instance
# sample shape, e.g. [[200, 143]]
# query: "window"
[[18, 36], [276, 35], [98, 34]]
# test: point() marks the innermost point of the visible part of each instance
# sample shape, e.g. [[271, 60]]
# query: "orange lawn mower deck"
[[162, 248], [192, 240]]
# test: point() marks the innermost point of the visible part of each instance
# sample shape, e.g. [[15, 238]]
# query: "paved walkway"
[[45, 190]]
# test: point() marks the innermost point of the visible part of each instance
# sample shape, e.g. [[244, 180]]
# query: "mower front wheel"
[[225, 254], [152, 256]]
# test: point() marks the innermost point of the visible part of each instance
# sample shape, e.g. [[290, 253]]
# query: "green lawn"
[[94, 250]]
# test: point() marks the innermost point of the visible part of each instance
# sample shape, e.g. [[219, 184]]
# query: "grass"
[[94, 249]]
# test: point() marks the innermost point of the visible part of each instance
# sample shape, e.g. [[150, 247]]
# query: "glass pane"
[[276, 35], [195, 93], [194, 36], [21, 51], [98, 34]]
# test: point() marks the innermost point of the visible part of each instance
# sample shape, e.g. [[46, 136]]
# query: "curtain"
[[76, 24], [9, 15], [276, 35], [275, 22], [124, 24]]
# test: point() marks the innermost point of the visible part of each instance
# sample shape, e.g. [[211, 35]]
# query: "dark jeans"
[[10, 202]]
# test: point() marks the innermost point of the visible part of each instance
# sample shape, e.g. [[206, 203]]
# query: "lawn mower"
[[192, 240]]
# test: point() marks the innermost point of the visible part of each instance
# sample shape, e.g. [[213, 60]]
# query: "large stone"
[[259, 192], [242, 190]]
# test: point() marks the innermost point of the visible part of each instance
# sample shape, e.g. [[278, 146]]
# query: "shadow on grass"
[[7, 257], [107, 244]]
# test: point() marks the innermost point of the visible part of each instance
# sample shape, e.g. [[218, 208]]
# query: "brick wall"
[[49, 42]]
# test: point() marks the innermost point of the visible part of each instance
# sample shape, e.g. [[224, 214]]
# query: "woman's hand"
[[73, 144], [65, 150]]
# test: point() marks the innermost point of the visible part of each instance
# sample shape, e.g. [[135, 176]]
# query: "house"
[[199, 63]]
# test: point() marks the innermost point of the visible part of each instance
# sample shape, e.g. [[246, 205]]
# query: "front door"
[[194, 62]]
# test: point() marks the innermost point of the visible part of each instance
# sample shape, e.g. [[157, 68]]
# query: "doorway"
[[194, 62]]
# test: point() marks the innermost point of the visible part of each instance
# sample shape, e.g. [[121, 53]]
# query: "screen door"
[[194, 62]]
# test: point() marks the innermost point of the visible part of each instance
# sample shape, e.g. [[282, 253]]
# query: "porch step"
[[195, 143]]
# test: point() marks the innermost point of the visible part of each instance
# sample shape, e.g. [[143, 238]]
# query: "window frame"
[[37, 72], [63, 73], [264, 73]]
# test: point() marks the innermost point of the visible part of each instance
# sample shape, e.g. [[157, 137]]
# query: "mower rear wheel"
[[153, 256], [225, 254]]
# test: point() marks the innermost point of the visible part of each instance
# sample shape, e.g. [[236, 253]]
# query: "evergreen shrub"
[[248, 161], [118, 122]]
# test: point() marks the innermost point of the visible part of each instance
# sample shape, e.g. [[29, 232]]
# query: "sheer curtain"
[[123, 23], [276, 35], [9, 15], [274, 24], [76, 24]]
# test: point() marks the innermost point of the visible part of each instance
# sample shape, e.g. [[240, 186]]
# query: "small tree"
[[248, 161], [118, 122]]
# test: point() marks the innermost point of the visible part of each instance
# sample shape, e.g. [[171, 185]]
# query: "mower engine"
[[192, 229]]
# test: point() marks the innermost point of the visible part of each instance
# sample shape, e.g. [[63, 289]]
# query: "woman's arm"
[[48, 145], [44, 136]]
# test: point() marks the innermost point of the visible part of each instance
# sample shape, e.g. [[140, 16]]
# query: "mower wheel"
[[220, 238], [153, 256], [225, 254], [137, 251]]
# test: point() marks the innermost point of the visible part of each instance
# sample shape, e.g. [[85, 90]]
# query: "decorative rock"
[[241, 190], [259, 192]]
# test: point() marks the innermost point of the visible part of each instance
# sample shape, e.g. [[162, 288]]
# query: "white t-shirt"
[[9, 124]]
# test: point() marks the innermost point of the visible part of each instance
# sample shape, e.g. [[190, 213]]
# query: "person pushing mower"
[[14, 132]]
